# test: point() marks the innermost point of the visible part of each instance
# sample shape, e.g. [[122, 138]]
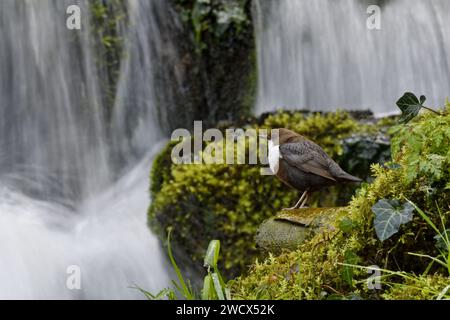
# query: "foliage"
[[213, 18], [318, 126], [183, 287], [389, 216], [400, 285], [361, 151], [107, 17], [160, 171], [229, 202], [214, 287], [413, 287], [215, 78], [410, 106], [423, 286], [319, 268], [424, 148], [442, 240]]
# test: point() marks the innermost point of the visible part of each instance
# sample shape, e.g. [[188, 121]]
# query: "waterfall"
[[320, 55], [61, 201]]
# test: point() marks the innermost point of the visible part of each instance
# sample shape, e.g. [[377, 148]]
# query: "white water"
[[61, 203], [319, 54]]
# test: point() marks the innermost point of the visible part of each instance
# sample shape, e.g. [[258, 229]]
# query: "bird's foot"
[[289, 209]]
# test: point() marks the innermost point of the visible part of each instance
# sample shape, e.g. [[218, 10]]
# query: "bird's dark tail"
[[348, 177]]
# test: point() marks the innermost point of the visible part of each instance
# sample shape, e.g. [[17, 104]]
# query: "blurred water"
[[320, 55], [61, 201]]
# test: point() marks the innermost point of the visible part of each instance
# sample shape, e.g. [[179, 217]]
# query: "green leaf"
[[183, 287], [346, 225], [217, 286], [444, 293], [410, 106], [212, 254], [389, 216], [347, 273], [207, 288], [227, 293]]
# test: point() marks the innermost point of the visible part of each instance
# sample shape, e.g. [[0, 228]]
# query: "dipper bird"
[[303, 165]]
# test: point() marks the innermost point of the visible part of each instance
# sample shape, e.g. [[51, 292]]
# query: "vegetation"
[[216, 74], [228, 202], [214, 287], [321, 268], [214, 18], [421, 286], [107, 19]]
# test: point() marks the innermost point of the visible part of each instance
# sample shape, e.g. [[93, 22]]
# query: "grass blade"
[[217, 286], [185, 290]]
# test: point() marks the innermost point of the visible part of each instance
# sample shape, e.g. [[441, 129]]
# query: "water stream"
[[62, 203], [320, 55]]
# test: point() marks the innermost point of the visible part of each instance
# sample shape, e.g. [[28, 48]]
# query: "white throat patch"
[[274, 157]]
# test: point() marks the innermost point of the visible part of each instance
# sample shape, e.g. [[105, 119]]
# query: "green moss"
[[289, 229], [204, 202], [214, 19], [106, 19], [315, 270], [429, 287], [248, 94], [217, 65], [328, 129], [160, 172]]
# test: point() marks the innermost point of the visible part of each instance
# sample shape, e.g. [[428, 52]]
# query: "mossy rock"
[[106, 20], [289, 229], [229, 202], [208, 66], [319, 269]]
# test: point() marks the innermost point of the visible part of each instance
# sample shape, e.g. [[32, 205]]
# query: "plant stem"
[[432, 110]]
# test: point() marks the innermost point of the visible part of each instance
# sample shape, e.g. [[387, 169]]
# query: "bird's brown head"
[[285, 135], [280, 135]]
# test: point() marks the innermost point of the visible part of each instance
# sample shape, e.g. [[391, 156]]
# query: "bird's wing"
[[307, 156]]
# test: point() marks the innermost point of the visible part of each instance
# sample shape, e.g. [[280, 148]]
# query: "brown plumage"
[[303, 165]]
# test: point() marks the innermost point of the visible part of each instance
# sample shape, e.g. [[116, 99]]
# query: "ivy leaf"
[[410, 106], [389, 216]]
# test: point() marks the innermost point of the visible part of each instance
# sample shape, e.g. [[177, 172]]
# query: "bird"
[[302, 164]]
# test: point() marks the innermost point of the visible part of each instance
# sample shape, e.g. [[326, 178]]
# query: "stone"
[[289, 229]]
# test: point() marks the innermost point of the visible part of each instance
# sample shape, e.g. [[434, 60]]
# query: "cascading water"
[[320, 55], [61, 204]]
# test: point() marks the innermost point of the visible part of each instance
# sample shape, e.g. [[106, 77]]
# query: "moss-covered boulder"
[[319, 268], [229, 202], [287, 230]]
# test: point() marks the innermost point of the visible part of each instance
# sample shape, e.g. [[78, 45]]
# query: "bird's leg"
[[305, 200], [297, 205]]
